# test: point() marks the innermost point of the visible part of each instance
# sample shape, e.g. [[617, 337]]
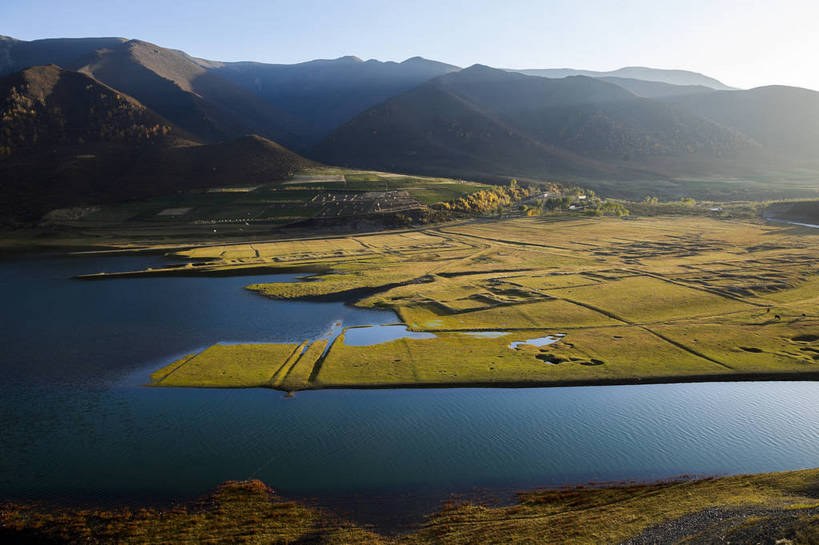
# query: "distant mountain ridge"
[[656, 89], [17, 54], [672, 77]]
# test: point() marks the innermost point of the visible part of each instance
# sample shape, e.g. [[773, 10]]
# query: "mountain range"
[[148, 114], [324, 94], [480, 120]]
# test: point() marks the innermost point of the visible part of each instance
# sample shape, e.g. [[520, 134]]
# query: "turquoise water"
[[75, 420]]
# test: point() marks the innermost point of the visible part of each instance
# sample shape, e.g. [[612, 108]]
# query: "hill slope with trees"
[[69, 140]]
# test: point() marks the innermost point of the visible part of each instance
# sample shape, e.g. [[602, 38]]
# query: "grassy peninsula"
[[632, 300]]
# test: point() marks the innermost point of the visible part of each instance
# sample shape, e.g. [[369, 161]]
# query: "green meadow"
[[658, 299]]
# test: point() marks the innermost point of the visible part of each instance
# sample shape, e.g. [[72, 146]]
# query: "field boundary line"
[[698, 288], [504, 241], [289, 362], [687, 349], [182, 364]]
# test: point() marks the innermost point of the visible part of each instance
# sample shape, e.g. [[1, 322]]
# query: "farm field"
[[315, 201], [320, 192], [537, 301]]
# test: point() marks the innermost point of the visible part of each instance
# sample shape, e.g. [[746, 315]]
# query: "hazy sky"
[[744, 43]]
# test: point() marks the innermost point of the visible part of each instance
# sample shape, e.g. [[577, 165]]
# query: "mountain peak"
[[349, 58], [482, 73], [480, 68], [141, 44]]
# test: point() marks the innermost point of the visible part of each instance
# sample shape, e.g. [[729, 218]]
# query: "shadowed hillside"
[[68, 140], [323, 94], [71, 176], [296, 104], [782, 119], [46, 106], [484, 121], [18, 54], [196, 100], [247, 160]]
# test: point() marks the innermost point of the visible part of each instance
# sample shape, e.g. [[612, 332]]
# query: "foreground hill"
[[46, 105], [247, 159], [68, 140], [488, 122]]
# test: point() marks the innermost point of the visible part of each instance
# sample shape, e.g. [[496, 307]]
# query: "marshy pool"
[[800, 224], [76, 420], [379, 334], [538, 341]]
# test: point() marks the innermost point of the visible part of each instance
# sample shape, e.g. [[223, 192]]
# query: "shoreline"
[[808, 376], [590, 512]]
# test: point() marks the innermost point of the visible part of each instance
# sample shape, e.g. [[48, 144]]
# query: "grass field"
[[655, 299], [778, 508], [229, 366]]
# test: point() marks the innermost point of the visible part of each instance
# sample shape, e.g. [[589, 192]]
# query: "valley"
[[255, 295], [154, 121]]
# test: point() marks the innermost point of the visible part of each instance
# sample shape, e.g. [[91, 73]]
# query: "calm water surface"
[[75, 420]]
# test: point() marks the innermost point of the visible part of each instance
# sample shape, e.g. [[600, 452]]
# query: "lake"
[[77, 422]]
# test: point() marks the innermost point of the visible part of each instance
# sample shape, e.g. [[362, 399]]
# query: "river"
[[77, 421]]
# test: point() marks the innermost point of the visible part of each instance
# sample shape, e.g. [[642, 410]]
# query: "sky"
[[744, 43]]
